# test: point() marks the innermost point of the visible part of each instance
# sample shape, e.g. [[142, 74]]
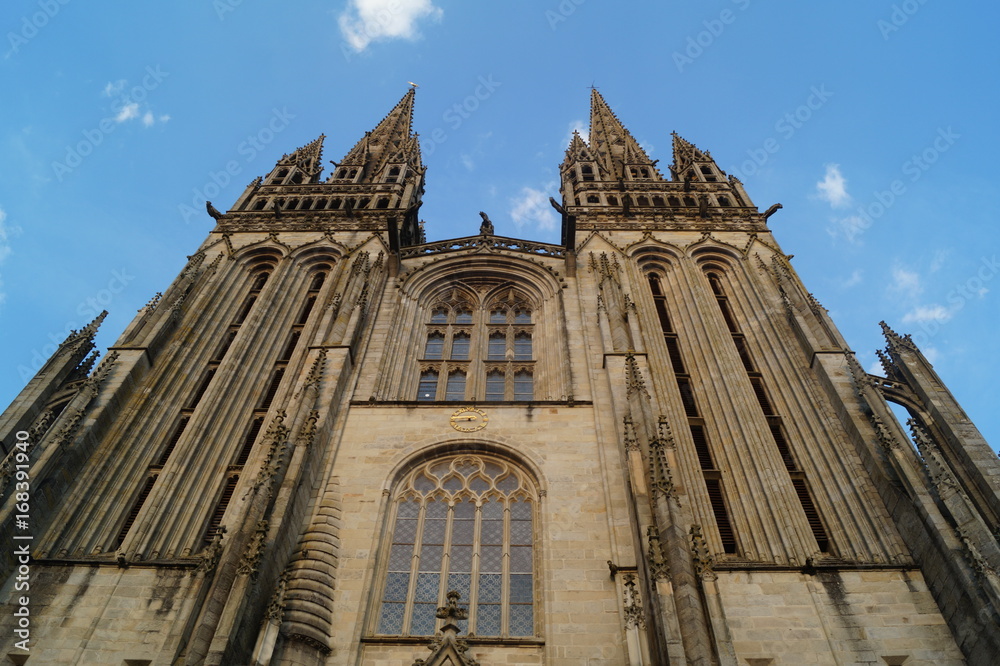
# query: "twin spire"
[[609, 144]]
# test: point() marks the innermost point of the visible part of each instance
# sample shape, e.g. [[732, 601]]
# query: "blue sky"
[[873, 123]]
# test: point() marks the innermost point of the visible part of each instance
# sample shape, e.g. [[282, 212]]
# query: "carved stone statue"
[[486, 228]]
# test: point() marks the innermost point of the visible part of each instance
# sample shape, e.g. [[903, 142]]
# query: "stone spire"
[[613, 146], [392, 141], [895, 340], [686, 154], [308, 158], [577, 150]]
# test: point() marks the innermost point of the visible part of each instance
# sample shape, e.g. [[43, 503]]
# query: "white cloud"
[[876, 368], [128, 112], [579, 126], [850, 228], [939, 260], [833, 187], [931, 354], [855, 279], [365, 21], [131, 110], [468, 162], [905, 283], [532, 206], [925, 313], [112, 89], [5, 234]]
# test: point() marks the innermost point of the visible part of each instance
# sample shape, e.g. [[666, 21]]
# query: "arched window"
[[427, 390], [435, 346], [497, 349], [478, 348], [460, 347], [456, 386], [463, 523]]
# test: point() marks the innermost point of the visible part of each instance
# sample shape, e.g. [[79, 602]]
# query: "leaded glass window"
[[462, 523], [428, 386], [456, 386], [482, 349], [495, 385], [498, 347], [460, 347], [524, 386], [435, 346]]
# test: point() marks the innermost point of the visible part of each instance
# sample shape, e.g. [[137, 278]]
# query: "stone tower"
[[332, 442]]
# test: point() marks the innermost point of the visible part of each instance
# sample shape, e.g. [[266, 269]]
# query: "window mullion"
[[445, 559], [505, 572], [411, 592], [474, 583]]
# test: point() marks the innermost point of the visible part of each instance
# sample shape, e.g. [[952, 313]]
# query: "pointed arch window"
[[478, 349], [456, 386], [427, 390], [495, 385], [497, 349], [463, 523], [435, 346], [460, 345]]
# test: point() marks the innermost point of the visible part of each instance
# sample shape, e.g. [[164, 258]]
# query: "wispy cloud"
[[532, 207], [365, 21], [113, 88], [125, 109], [6, 232], [926, 313], [127, 112], [940, 259], [850, 228], [857, 277], [833, 188], [905, 283], [579, 126]]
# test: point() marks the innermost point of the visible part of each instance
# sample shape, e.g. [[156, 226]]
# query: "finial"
[[895, 340]]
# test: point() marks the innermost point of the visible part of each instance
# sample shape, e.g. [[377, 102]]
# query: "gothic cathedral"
[[333, 442]]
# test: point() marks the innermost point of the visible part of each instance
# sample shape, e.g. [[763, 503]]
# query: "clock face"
[[469, 419]]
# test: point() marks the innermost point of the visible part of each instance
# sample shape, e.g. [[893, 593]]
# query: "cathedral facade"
[[331, 441]]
